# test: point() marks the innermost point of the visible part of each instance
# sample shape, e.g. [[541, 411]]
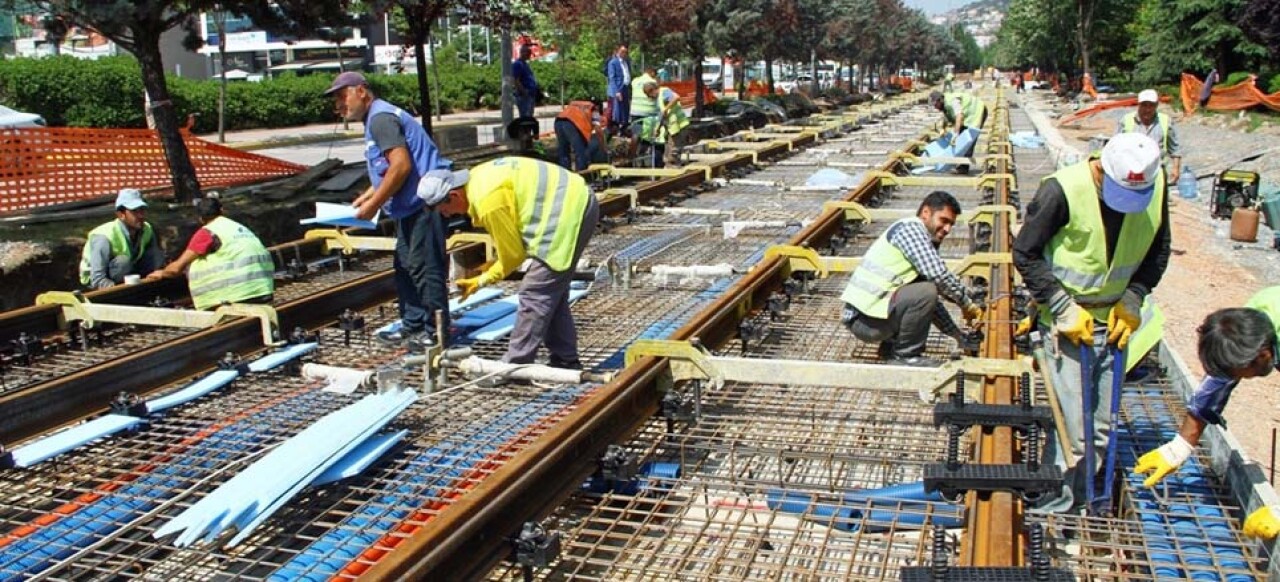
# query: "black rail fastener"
[[129, 404], [27, 348], [990, 415], [984, 574], [618, 465], [1015, 478], [534, 547], [350, 322]]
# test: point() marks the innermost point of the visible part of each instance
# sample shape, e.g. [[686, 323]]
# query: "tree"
[[1261, 21], [137, 26], [55, 31], [1194, 36]]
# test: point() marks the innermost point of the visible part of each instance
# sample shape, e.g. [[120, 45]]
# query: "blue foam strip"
[[59, 540], [502, 327], [486, 314], [361, 458], [461, 452], [195, 390], [456, 306], [79, 435], [281, 357]]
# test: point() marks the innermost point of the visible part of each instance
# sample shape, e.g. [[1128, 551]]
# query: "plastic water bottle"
[[1187, 187]]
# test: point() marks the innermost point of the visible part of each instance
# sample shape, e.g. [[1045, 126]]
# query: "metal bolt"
[[1024, 390], [941, 567], [953, 446], [1032, 452]]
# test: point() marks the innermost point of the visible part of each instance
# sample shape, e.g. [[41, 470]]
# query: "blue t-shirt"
[[523, 74], [1210, 398]]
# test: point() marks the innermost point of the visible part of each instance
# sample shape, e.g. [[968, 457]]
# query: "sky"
[[932, 7]]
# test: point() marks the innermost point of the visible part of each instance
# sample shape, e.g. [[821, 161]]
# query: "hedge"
[[108, 92]]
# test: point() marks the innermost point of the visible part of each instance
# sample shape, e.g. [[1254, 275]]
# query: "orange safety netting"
[[1087, 83], [1103, 106], [46, 165], [905, 82], [1242, 95], [759, 89], [685, 89]]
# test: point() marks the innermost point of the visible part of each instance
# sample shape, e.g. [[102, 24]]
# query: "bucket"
[[1244, 224]]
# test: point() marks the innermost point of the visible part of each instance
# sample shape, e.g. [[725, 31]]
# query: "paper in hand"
[[340, 215]]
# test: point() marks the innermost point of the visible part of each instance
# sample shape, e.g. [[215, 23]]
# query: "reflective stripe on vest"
[[883, 270], [972, 107], [1162, 121], [422, 153], [117, 235], [240, 269], [549, 200], [1077, 253], [676, 119]]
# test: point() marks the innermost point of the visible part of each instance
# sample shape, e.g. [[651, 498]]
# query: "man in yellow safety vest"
[[1147, 121], [1094, 243], [224, 262], [532, 209], [124, 246]]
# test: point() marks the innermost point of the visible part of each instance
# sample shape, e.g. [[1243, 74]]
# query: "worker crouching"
[[125, 246], [893, 296], [532, 209], [224, 262]]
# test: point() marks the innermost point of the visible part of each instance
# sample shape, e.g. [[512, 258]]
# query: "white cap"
[[131, 199], [1130, 163], [436, 184], [1148, 96]]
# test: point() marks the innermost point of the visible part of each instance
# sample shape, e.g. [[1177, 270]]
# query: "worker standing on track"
[[224, 262], [663, 129], [1234, 344], [1147, 121], [961, 112], [124, 246], [1094, 243], [537, 210], [399, 155], [892, 297], [642, 105]]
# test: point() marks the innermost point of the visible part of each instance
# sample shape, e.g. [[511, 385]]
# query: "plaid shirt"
[[915, 242]]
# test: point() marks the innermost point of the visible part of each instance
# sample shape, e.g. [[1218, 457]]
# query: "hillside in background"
[[982, 19]]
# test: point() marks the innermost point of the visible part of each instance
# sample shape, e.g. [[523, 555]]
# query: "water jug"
[[1187, 187]]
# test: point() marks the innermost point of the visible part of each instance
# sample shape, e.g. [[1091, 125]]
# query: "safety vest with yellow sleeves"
[[641, 104], [116, 234], [240, 269], [1077, 254], [1268, 302], [1131, 122], [883, 270], [970, 105], [546, 203]]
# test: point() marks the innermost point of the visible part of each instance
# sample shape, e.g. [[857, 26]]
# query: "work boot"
[[915, 361], [556, 362], [885, 351], [420, 342]]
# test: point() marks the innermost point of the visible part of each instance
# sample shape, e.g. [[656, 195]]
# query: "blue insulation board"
[[64, 537], [1192, 525], [467, 448]]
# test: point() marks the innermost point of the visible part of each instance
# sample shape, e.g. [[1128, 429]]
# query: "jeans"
[[543, 316], [569, 138], [907, 327], [421, 266], [524, 104], [1064, 371]]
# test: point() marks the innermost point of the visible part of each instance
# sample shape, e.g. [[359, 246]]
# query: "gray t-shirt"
[[386, 131]]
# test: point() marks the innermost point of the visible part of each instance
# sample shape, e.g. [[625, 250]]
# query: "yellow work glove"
[[1024, 326], [1263, 523], [1075, 324], [1158, 463], [973, 312], [469, 286], [1124, 319]]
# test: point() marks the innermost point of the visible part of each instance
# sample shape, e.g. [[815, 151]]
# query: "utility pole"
[[507, 103]]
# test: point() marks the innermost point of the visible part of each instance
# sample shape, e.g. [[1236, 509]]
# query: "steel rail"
[[469, 537]]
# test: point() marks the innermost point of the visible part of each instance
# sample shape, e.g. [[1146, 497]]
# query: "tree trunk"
[[186, 187], [1083, 23], [768, 74], [220, 21], [424, 90]]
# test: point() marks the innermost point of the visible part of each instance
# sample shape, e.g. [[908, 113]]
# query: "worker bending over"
[[961, 111], [537, 210], [1147, 121], [124, 246], [892, 297], [1235, 344], [224, 262], [1094, 243], [580, 130]]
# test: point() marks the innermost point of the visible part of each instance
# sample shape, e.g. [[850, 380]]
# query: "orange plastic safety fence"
[[1103, 106], [1088, 87], [905, 82], [1242, 95], [757, 89], [45, 166], [685, 89]]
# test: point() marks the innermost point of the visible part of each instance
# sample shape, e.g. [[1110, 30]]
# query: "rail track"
[[752, 484]]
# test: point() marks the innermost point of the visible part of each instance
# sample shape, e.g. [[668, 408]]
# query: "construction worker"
[[1089, 266], [578, 129], [124, 246], [642, 105], [892, 297], [1147, 121], [1234, 344], [664, 128], [224, 262], [537, 210], [399, 155], [961, 111]]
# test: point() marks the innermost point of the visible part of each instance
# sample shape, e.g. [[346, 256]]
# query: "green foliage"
[[108, 92], [1274, 85], [1194, 36], [1236, 77]]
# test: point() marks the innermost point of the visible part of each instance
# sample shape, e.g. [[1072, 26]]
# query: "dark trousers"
[[544, 317], [620, 110], [907, 327], [421, 268], [569, 138]]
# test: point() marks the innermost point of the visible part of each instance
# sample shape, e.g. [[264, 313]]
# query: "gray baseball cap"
[[347, 79]]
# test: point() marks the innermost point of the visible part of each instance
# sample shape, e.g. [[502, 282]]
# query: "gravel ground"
[[16, 254], [1208, 271]]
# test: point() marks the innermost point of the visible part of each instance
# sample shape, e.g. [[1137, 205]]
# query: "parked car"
[[10, 119]]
